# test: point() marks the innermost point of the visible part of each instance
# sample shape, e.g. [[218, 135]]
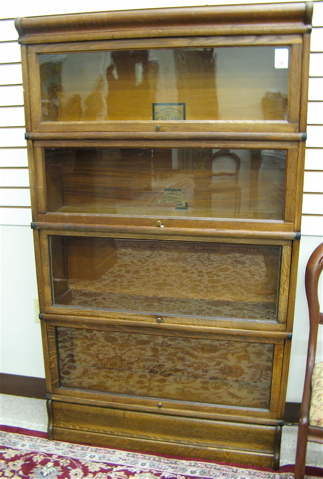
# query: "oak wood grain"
[[77, 225]]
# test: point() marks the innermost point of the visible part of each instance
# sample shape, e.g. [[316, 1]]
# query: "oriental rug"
[[29, 454]]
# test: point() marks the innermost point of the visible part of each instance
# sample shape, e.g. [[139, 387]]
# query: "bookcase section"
[[166, 155]]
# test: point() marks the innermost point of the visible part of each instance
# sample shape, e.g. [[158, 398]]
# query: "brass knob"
[[160, 405], [160, 224], [159, 319], [157, 127]]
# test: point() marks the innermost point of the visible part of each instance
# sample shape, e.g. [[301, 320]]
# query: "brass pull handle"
[[159, 319], [160, 224], [157, 127]]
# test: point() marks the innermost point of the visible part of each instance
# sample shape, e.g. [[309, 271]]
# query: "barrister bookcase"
[[166, 151]]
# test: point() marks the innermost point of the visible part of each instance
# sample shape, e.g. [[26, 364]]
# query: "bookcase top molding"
[[255, 19]]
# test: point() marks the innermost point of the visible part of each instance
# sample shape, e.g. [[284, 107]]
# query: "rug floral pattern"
[[38, 458]]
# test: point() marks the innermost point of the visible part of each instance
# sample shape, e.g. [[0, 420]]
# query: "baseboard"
[[22, 386], [292, 410], [35, 388]]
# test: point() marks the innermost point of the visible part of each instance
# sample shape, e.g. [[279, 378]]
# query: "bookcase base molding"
[[230, 442]]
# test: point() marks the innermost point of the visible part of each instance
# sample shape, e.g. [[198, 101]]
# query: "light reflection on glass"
[[223, 83], [169, 182]]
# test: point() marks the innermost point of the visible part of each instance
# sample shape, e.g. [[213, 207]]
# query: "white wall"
[[21, 351]]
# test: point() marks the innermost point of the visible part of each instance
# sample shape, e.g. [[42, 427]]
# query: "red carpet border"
[[28, 454]]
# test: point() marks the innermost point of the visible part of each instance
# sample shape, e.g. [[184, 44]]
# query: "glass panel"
[[170, 182], [207, 280], [225, 83], [188, 369]]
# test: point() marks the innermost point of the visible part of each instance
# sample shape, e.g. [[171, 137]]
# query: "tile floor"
[[31, 414]]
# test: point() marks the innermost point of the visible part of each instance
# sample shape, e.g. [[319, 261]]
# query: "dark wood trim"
[[22, 386], [292, 410]]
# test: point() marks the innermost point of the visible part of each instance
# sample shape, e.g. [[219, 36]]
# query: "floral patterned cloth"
[[316, 412], [23, 457], [203, 280], [163, 366]]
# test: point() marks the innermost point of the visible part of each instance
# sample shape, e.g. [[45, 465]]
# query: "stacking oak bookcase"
[[166, 151]]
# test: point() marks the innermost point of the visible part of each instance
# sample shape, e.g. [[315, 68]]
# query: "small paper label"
[[281, 57]]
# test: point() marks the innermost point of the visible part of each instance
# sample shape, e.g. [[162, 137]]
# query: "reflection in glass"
[[170, 367], [170, 182], [207, 280], [224, 83]]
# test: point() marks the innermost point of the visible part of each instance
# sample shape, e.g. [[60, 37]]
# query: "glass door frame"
[[294, 89]]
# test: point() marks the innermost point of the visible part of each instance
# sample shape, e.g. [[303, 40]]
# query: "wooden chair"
[[220, 177], [311, 414]]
